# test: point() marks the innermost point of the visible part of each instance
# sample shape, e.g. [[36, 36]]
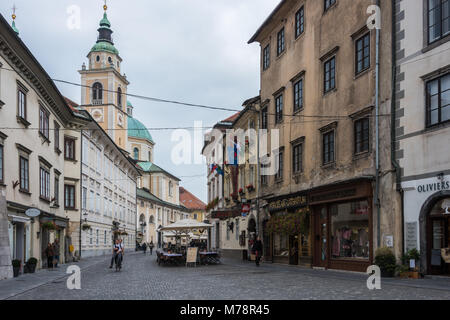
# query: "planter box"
[[410, 275]]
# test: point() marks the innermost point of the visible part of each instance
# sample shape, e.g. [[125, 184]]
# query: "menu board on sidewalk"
[[191, 256]]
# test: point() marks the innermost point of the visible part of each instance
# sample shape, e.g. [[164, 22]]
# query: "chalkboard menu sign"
[[191, 256]]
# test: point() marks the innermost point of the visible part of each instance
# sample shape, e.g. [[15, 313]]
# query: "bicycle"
[[118, 261]]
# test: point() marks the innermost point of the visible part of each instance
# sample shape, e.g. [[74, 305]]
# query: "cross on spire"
[[14, 8]]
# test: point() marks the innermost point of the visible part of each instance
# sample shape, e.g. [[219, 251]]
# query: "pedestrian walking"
[[151, 247], [257, 249], [144, 248], [49, 254], [56, 250]]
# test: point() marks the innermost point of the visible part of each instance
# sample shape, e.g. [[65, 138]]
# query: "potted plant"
[[405, 270], [241, 191], [86, 227], [30, 266], [49, 225], [250, 187], [16, 264], [385, 259]]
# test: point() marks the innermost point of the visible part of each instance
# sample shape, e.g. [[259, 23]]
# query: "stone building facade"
[[318, 90], [422, 131]]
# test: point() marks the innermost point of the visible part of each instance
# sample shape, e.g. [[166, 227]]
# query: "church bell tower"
[[104, 87]]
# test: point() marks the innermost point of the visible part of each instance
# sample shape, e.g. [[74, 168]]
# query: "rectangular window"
[[44, 122], [438, 19], [280, 42], [266, 57], [329, 3], [84, 199], [264, 123], [328, 147], [299, 22], [330, 75], [263, 175], [56, 193], [44, 183], [438, 100], [362, 135], [104, 242], [298, 95], [57, 129], [24, 174], [2, 178], [362, 47], [69, 148], [279, 175], [21, 104], [297, 154], [279, 109], [69, 197]]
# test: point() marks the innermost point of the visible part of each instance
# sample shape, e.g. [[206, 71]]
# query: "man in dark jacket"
[[258, 250]]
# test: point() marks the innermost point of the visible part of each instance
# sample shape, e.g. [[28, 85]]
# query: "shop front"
[[52, 229], [287, 233], [427, 222], [342, 226]]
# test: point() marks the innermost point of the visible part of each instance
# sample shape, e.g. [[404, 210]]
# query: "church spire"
[[13, 25], [105, 32]]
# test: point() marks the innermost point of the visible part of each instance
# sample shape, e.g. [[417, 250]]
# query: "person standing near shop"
[[151, 247], [49, 254], [56, 250], [257, 249]]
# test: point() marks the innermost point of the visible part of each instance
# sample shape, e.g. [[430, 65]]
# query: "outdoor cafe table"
[[173, 258], [209, 258]]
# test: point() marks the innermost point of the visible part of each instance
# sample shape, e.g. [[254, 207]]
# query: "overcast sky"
[[188, 50]]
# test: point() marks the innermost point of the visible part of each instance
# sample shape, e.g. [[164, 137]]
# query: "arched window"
[[97, 93], [136, 153], [152, 219], [119, 97], [150, 156]]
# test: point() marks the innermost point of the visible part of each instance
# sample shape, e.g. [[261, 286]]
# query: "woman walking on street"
[[151, 247], [257, 249]]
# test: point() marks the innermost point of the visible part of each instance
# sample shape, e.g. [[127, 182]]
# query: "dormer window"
[[110, 60], [97, 93], [136, 153]]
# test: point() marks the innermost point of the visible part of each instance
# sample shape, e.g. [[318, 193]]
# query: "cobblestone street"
[[142, 279]]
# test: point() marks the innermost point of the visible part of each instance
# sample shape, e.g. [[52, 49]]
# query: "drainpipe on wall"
[[394, 161], [257, 175], [377, 134], [81, 191]]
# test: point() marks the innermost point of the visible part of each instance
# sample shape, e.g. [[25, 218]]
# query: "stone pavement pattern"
[[142, 279]]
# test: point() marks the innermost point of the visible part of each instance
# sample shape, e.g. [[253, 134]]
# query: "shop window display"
[[350, 230], [281, 245]]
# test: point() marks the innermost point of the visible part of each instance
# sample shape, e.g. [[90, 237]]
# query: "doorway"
[[438, 240], [293, 250], [321, 237]]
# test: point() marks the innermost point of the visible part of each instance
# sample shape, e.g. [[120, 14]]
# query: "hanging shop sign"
[[33, 213]]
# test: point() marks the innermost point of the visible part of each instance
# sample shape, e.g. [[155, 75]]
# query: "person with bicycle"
[[117, 254]]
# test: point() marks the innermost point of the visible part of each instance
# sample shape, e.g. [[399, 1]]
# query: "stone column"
[[6, 271]]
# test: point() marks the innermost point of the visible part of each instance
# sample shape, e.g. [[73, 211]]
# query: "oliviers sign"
[[434, 187]]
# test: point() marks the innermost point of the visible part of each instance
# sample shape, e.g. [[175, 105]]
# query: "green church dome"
[[136, 129], [104, 46]]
